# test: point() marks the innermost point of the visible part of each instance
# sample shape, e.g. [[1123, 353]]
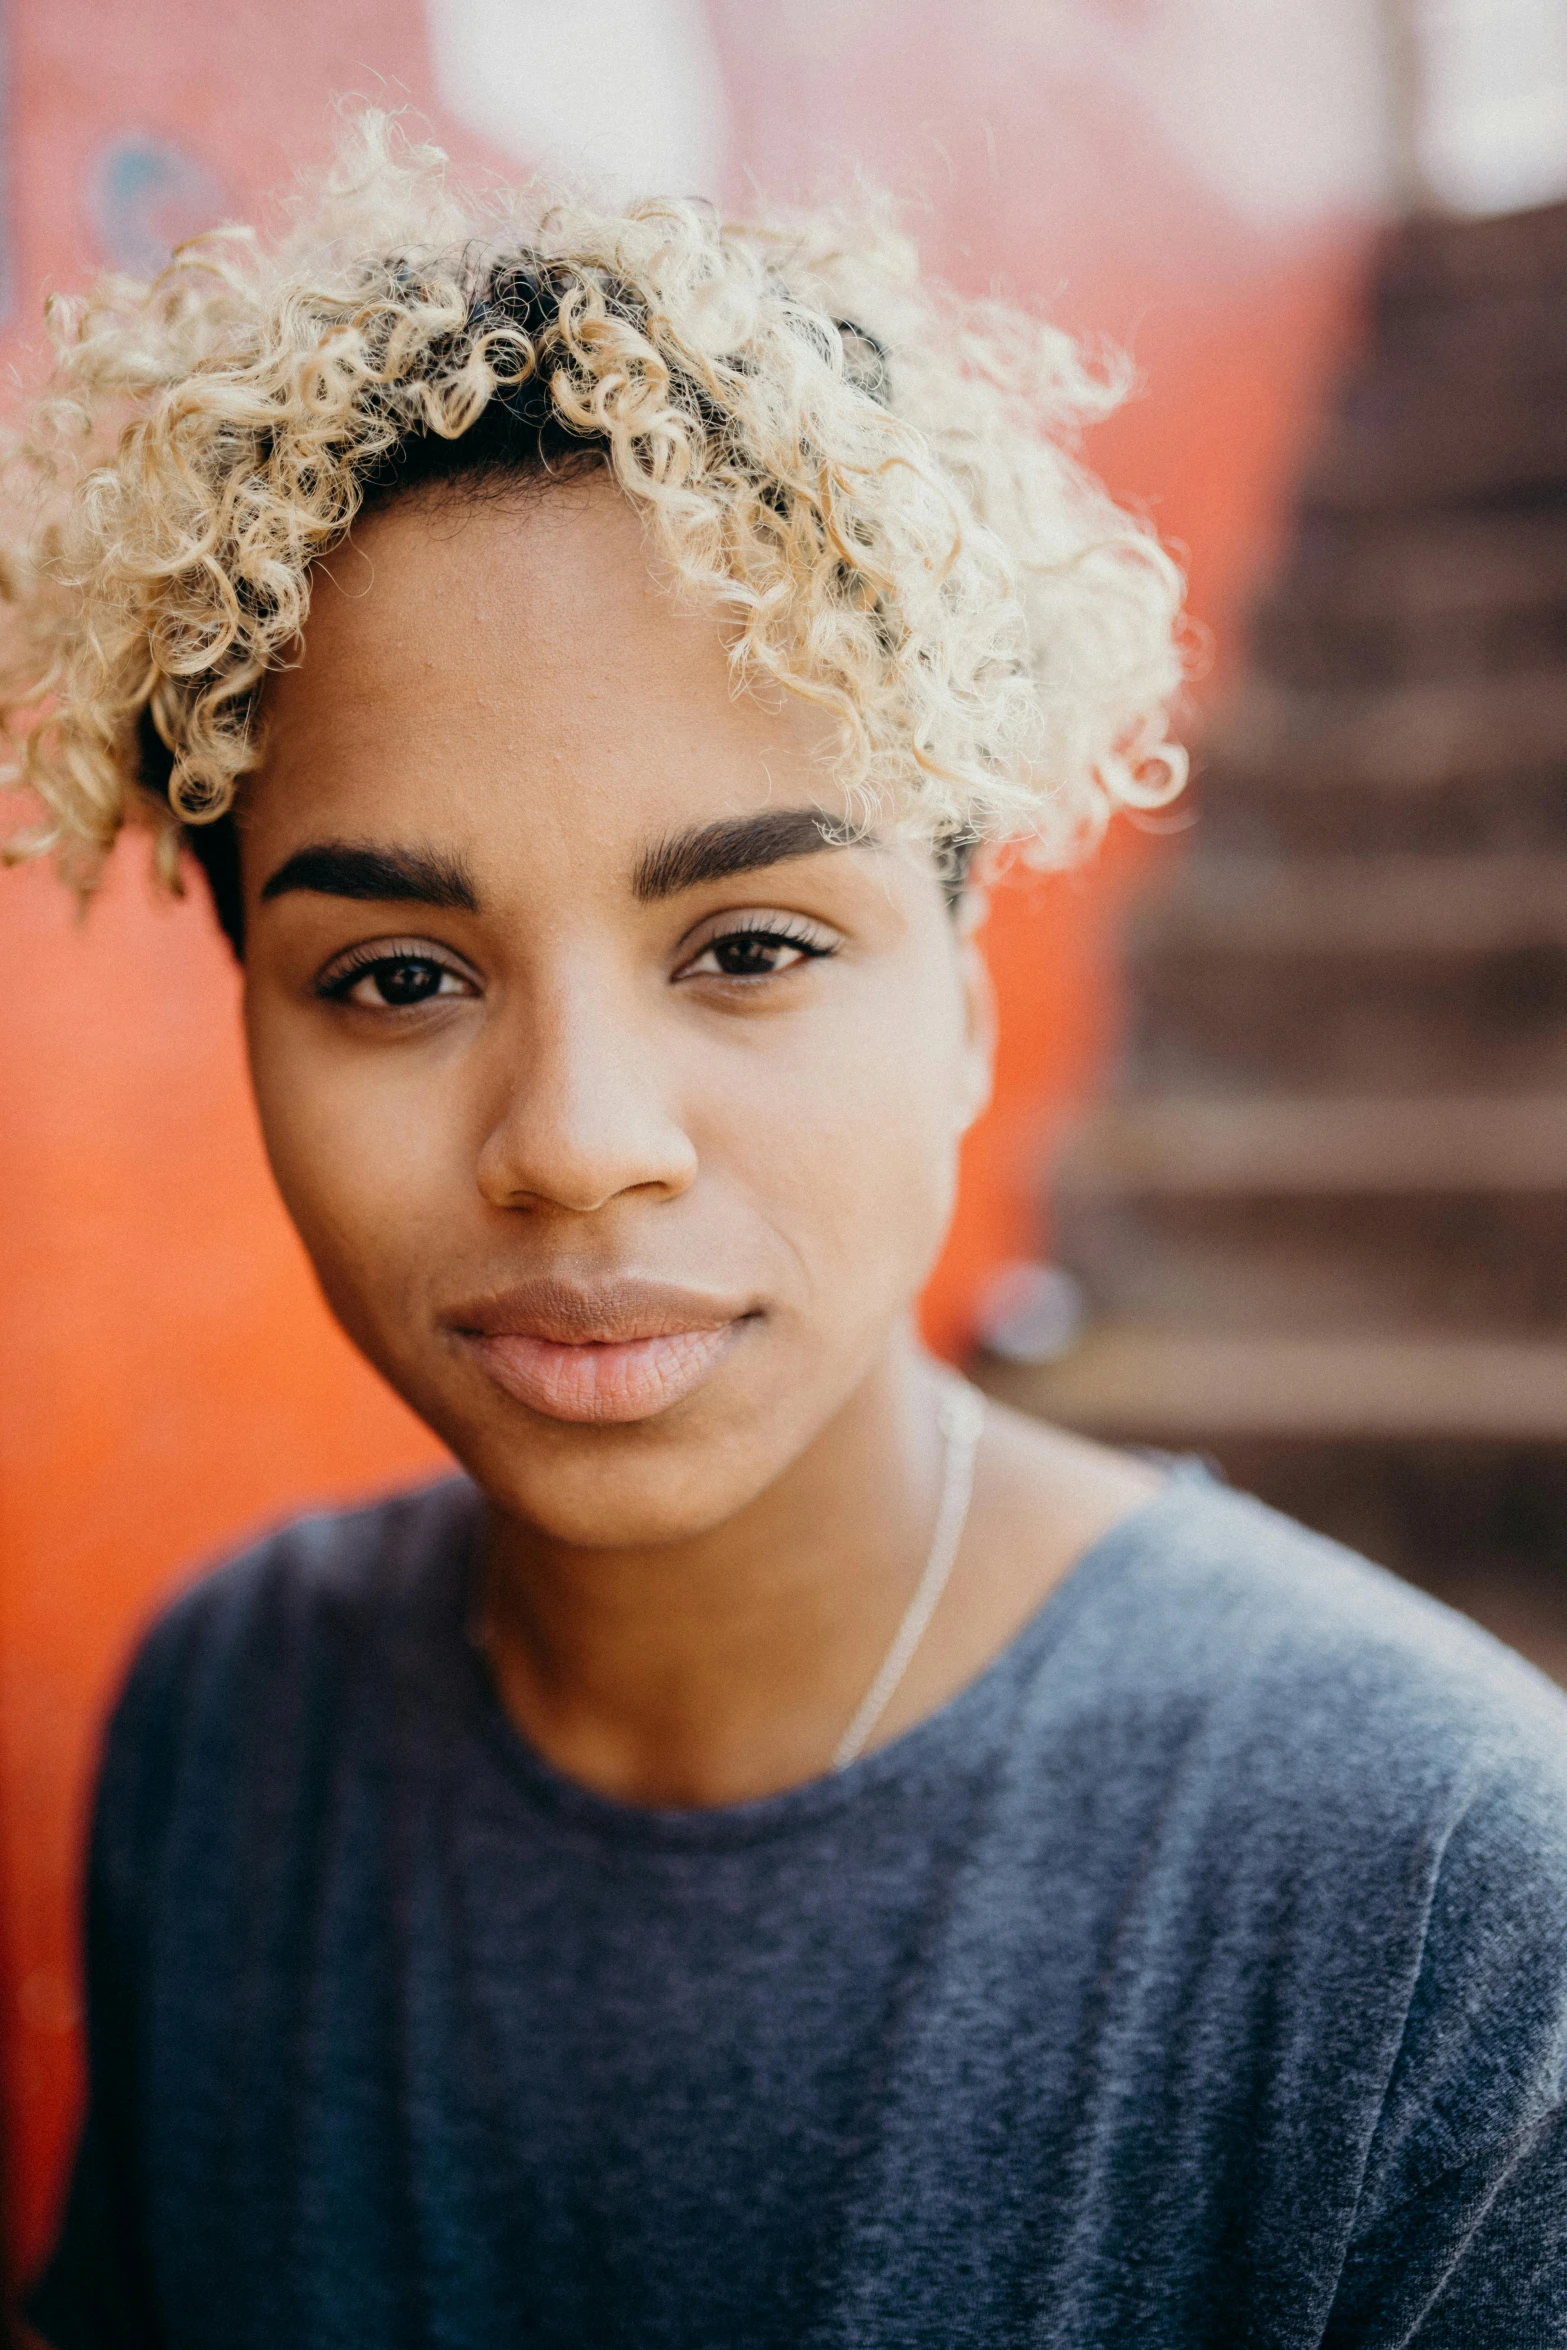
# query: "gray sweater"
[[1197, 1976]]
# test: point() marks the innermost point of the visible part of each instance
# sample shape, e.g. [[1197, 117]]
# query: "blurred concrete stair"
[[1323, 1217], [1380, 972], [1435, 766], [1321, 1225], [1126, 1379]]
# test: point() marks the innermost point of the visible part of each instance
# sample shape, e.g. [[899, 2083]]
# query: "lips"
[[609, 1353]]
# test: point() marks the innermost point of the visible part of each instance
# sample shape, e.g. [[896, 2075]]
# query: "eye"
[[387, 976], [763, 949]]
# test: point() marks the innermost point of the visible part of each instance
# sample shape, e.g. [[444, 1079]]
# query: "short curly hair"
[[875, 485]]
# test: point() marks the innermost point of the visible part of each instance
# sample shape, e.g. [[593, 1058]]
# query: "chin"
[[596, 1491]]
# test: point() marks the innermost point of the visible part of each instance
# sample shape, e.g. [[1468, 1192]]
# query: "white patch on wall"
[[1495, 102], [1284, 108], [624, 94], [1276, 103]]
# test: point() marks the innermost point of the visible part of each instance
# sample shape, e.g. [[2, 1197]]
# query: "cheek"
[[846, 1141], [361, 1155]]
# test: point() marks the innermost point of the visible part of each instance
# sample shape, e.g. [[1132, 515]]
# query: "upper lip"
[[605, 1312]]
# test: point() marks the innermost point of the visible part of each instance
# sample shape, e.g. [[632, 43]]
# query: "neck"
[[724, 1668]]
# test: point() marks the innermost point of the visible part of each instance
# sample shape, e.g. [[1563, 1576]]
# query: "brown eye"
[[395, 982], [407, 982], [751, 954], [754, 953]]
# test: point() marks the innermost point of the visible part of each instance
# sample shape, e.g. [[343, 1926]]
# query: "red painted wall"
[[169, 1379]]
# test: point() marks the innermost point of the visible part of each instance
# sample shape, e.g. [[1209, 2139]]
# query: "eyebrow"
[[352, 869], [429, 877], [738, 844]]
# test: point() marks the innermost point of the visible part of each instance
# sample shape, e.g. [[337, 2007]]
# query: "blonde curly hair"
[[875, 484]]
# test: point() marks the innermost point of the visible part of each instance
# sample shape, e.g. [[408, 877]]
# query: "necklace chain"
[[962, 1417]]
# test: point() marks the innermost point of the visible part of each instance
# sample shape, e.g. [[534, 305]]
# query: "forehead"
[[518, 663]]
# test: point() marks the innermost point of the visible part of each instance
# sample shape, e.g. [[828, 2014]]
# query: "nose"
[[585, 1112]]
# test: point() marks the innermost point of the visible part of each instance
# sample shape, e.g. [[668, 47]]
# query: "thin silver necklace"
[[962, 1415]]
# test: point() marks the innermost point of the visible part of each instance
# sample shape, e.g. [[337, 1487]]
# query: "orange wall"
[[169, 1379]]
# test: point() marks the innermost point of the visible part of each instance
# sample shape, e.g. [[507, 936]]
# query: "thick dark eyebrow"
[[737, 844], [351, 869]]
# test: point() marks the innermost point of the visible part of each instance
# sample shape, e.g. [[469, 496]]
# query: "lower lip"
[[610, 1383]]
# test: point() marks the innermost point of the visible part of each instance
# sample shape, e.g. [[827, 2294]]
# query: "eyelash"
[[339, 979], [764, 932]]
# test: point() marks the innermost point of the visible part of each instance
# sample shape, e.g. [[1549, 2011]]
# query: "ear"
[[977, 1066]]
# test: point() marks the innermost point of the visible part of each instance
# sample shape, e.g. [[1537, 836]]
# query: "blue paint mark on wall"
[[147, 196]]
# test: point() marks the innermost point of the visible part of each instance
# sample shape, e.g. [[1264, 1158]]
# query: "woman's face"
[[617, 1109]]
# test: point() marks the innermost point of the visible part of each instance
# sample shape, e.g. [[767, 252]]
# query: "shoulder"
[[319, 1573], [279, 1631], [1217, 1608], [1369, 1779]]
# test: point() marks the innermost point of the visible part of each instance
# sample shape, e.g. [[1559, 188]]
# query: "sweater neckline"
[[960, 1735]]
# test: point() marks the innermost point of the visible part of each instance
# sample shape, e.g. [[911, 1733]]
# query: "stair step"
[[1410, 738], [1461, 905], [1315, 650], [1287, 1213], [1291, 1146], [1250, 812], [1434, 452], [1461, 404], [1136, 1385], [1481, 1263], [1360, 974], [1448, 766], [1387, 599], [1448, 564], [1353, 1022], [1440, 259]]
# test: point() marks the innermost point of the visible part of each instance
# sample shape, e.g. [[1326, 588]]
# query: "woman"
[[777, 1851]]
